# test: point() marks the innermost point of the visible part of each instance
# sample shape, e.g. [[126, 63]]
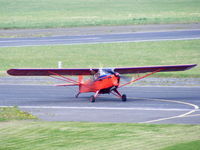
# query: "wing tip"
[[10, 72], [191, 66]]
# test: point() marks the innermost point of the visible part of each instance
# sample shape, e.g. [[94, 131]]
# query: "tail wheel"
[[124, 98], [92, 99]]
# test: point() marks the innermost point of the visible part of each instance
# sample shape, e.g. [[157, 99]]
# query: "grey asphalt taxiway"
[[176, 105], [106, 38], [144, 105]]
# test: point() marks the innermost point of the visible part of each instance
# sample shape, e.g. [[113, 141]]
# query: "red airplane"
[[103, 81]]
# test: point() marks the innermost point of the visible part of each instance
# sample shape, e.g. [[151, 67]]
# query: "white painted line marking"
[[187, 114], [177, 116], [101, 108], [50, 40], [194, 115]]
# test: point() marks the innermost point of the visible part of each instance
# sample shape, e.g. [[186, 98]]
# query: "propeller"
[[111, 71]]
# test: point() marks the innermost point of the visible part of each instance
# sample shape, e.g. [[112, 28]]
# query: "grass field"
[[13, 113], [106, 55], [38, 135], [68, 13], [194, 145]]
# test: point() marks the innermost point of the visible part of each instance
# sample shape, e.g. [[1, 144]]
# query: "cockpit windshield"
[[103, 72]]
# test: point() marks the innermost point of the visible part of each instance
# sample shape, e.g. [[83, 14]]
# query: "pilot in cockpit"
[[100, 73]]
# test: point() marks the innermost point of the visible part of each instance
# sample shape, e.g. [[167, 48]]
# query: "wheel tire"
[[92, 99], [124, 98]]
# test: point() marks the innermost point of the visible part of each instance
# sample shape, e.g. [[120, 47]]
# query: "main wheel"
[[124, 98], [92, 99]]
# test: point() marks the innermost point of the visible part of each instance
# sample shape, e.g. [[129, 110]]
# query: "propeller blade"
[[109, 71], [123, 77], [126, 78]]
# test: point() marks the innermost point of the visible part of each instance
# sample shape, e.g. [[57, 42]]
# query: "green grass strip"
[[25, 135], [13, 113], [194, 145], [68, 13], [106, 55]]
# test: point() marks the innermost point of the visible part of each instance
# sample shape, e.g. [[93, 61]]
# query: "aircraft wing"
[[48, 72], [146, 69], [87, 71]]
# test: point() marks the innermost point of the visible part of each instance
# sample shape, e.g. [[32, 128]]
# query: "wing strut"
[[64, 78], [140, 77]]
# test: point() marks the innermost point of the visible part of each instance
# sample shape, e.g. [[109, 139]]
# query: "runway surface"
[[144, 105], [107, 38], [176, 105]]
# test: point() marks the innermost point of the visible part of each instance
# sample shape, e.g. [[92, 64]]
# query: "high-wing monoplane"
[[102, 81]]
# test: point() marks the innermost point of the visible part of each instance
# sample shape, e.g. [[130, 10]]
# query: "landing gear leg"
[[123, 97], [77, 94]]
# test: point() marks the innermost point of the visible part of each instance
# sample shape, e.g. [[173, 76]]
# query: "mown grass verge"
[[106, 55], [13, 113], [40, 135], [68, 13], [194, 145], [25, 135]]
